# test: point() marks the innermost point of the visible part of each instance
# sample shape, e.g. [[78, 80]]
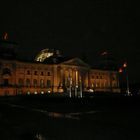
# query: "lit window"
[[27, 82], [48, 83], [42, 83], [97, 85], [35, 92], [35, 83], [20, 82]]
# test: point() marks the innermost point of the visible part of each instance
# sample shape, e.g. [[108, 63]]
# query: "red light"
[[120, 70]]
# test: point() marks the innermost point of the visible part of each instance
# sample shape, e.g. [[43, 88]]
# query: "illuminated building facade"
[[62, 75]]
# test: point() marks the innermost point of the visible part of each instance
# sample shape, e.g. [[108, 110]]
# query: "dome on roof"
[[46, 53]]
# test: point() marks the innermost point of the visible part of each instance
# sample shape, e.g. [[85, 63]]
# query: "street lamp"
[[127, 79]]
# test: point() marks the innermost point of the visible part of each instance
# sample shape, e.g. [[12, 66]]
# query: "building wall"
[[101, 80], [37, 78]]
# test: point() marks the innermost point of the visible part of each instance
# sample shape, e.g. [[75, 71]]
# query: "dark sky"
[[75, 27]]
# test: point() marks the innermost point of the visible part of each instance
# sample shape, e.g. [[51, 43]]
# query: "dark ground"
[[100, 118]]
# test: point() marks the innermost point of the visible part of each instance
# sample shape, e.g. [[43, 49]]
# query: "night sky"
[[76, 28]]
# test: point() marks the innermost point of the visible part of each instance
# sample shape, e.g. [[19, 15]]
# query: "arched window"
[[48, 83], [6, 82], [28, 82], [41, 83], [35, 83], [20, 82]]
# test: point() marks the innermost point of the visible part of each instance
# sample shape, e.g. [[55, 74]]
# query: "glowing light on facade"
[[120, 70], [125, 65], [104, 53], [71, 77]]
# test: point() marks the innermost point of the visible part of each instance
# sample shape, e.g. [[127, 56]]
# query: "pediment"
[[76, 62]]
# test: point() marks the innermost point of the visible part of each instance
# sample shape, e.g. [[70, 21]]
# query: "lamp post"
[[127, 79]]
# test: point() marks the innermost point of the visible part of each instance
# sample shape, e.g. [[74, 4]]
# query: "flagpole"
[[127, 80]]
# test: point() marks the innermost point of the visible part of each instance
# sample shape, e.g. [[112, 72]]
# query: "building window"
[[6, 82], [114, 84], [35, 83], [19, 92], [42, 73], [49, 74], [28, 72], [92, 77], [105, 85], [6, 93], [41, 83], [27, 82], [20, 82], [97, 85], [102, 85], [113, 78], [35, 72], [48, 83], [6, 71]]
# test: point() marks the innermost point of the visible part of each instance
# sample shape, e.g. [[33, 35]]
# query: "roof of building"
[[56, 60]]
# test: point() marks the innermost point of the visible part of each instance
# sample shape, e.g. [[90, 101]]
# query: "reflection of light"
[[56, 115]]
